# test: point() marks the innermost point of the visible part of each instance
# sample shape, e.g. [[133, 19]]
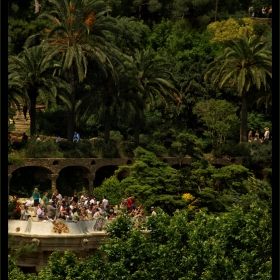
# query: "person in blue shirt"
[[76, 137]]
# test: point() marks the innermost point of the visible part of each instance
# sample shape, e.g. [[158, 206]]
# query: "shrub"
[[242, 149], [228, 148], [14, 159], [42, 149], [116, 136], [260, 152], [159, 151], [206, 145], [125, 149], [85, 147], [106, 149], [260, 28], [53, 121]]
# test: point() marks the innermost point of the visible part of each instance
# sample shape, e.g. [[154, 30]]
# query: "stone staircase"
[[21, 124]]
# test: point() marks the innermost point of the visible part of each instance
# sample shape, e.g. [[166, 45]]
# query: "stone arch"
[[25, 178], [103, 173], [74, 178]]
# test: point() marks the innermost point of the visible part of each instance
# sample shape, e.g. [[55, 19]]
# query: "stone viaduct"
[[50, 168]]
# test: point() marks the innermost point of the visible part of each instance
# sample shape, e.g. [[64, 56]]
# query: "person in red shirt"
[[129, 203], [17, 211]]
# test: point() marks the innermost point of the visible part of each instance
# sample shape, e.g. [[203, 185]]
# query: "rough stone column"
[[9, 179], [90, 177], [53, 178]]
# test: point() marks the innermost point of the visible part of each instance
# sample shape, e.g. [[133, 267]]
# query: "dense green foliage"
[[188, 245], [153, 78], [153, 182]]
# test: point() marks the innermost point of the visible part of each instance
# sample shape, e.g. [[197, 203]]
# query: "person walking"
[[24, 110]]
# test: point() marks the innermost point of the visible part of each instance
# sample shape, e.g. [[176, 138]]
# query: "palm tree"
[[17, 94], [247, 63], [80, 33], [156, 82], [112, 99], [35, 68]]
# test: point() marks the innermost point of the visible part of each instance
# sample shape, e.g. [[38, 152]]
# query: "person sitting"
[[40, 212], [61, 210], [51, 211], [110, 210], [58, 139], [89, 212], [67, 214], [75, 216], [25, 213], [17, 212], [76, 137]]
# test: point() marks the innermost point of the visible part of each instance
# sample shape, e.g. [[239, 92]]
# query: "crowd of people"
[[256, 136], [262, 13], [71, 209]]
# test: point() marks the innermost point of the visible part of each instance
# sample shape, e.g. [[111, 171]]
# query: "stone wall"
[[81, 239]]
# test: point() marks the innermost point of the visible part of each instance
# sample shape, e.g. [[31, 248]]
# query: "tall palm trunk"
[[71, 111], [136, 129], [107, 123], [33, 94], [243, 127]]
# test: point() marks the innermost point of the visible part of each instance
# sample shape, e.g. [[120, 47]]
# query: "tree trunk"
[[216, 11], [243, 127], [33, 94], [71, 111], [136, 129]]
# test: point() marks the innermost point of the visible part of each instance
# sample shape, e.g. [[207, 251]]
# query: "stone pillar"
[[90, 184], [90, 177], [53, 178], [9, 179]]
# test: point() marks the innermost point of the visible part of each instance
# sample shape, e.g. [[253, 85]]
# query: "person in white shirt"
[[92, 201], [153, 211], [29, 202], [104, 202], [40, 212], [266, 134]]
